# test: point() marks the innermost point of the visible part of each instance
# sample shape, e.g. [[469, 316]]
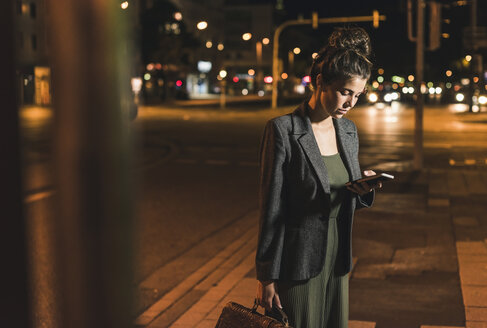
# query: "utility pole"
[[476, 62], [314, 21], [418, 117]]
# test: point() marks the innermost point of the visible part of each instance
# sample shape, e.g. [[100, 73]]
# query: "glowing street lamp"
[[223, 73], [247, 36], [202, 25], [297, 51], [178, 16], [124, 5], [265, 41]]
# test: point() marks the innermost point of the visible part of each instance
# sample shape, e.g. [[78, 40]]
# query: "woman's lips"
[[342, 111]]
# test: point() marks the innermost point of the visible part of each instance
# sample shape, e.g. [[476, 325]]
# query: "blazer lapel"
[[304, 134], [345, 141]]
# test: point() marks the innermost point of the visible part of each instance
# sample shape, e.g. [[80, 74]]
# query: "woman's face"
[[339, 97]]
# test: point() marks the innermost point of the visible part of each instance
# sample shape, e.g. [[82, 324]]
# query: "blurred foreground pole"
[[94, 223], [14, 304]]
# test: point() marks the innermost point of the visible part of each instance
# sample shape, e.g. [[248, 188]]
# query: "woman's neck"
[[317, 113]]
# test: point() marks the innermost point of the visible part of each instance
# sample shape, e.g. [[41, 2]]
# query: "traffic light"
[[375, 19], [314, 20], [434, 25]]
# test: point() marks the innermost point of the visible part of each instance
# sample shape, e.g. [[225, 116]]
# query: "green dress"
[[322, 301]]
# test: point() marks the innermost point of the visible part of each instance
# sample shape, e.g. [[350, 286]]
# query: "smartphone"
[[373, 179]]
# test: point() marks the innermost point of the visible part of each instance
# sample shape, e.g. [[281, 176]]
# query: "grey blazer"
[[295, 199]]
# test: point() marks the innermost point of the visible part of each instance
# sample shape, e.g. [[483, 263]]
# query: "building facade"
[[33, 72]]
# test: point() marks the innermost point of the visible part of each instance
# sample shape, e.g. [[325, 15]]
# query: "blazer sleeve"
[[364, 201], [272, 204]]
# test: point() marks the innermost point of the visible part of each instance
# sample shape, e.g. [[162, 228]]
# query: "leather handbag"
[[235, 315]]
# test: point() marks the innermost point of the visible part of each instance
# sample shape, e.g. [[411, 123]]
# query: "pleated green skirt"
[[322, 301]]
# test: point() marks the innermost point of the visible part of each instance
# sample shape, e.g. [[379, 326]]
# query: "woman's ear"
[[319, 82]]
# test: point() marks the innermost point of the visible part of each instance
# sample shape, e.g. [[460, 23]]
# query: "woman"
[[304, 249]]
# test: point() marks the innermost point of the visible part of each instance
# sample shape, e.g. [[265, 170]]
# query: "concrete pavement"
[[445, 203], [230, 276]]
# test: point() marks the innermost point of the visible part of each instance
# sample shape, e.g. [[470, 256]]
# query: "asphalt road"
[[197, 182]]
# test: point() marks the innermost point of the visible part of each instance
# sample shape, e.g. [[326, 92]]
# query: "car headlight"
[[459, 97], [373, 97]]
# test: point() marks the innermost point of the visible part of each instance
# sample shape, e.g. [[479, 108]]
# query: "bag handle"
[[284, 317]]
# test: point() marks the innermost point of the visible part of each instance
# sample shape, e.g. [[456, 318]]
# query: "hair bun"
[[354, 38]]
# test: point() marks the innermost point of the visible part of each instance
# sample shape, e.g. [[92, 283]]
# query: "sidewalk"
[[457, 194]]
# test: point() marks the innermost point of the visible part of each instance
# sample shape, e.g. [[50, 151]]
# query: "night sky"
[[391, 48]]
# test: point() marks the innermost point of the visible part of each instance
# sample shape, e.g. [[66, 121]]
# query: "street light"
[[202, 25], [297, 51], [124, 5], [178, 16], [247, 36], [220, 46], [265, 41], [223, 73]]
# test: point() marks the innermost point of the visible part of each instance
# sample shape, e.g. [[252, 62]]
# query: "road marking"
[[440, 327], [361, 324], [216, 162], [438, 202], [38, 196], [192, 280], [248, 163], [211, 299], [185, 161], [220, 148]]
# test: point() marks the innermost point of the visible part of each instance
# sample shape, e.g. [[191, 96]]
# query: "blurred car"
[[387, 97]]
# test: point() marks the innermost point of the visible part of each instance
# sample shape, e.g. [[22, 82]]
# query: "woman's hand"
[[267, 294], [363, 187]]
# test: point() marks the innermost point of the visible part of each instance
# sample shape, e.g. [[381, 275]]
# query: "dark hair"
[[346, 55]]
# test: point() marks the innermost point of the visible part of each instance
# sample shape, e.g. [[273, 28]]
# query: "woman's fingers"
[[368, 173], [277, 301], [268, 302], [266, 295], [360, 188]]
